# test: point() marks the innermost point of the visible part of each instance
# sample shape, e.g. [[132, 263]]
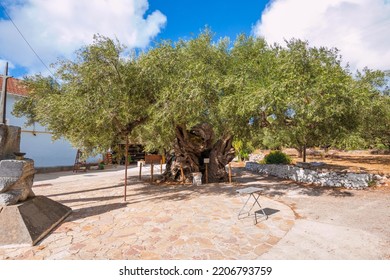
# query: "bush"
[[276, 157]]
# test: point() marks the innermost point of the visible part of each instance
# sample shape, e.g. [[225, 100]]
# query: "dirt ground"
[[363, 161], [360, 161]]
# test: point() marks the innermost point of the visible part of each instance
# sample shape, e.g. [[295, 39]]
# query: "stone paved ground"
[[156, 221], [187, 222]]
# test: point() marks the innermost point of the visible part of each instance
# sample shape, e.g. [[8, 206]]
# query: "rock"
[[6, 183], [16, 180], [256, 157], [303, 164], [317, 164], [10, 198]]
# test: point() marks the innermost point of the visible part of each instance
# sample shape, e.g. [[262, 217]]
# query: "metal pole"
[[3, 96], [126, 164]]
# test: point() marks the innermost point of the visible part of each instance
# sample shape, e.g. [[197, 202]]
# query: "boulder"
[[16, 180]]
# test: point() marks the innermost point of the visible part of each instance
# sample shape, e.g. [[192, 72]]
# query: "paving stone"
[[152, 225]]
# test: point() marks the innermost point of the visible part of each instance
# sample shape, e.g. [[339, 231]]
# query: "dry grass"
[[356, 161]]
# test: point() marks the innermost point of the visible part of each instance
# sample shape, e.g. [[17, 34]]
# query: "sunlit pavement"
[[155, 222]]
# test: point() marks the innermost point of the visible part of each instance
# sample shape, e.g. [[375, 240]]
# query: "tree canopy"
[[291, 95], [93, 100]]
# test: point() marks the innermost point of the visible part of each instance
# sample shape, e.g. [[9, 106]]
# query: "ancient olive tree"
[[189, 80], [167, 98]]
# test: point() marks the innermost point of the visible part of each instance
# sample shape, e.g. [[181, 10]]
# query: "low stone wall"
[[321, 178]]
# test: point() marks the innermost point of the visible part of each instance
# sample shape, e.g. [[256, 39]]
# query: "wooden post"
[[126, 164], [181, 173], [151, 172], [161, 166], [207, 173], [230, 173], [140, 169], [206, 162]]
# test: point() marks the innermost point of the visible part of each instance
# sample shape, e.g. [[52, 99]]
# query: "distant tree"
[[373, 130], [314, 101], [94, 101]]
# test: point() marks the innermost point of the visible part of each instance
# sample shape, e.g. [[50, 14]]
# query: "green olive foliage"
[[291, 95]]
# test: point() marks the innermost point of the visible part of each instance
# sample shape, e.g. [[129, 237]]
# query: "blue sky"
[[56, 28], [225, 18]]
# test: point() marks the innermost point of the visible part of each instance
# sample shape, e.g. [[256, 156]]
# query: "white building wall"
[[40, 147]]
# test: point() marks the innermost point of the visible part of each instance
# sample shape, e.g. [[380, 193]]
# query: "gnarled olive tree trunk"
[[190, 149]]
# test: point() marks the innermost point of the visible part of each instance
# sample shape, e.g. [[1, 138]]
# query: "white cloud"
[[2, 66], [56, 28], [360, 29]]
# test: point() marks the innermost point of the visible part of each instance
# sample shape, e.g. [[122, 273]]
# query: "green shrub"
[[276, 157]]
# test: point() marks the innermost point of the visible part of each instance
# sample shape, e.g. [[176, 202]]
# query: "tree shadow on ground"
[[140, 191], [84, 191], [45, 176], [90, 199], [93, 211]]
